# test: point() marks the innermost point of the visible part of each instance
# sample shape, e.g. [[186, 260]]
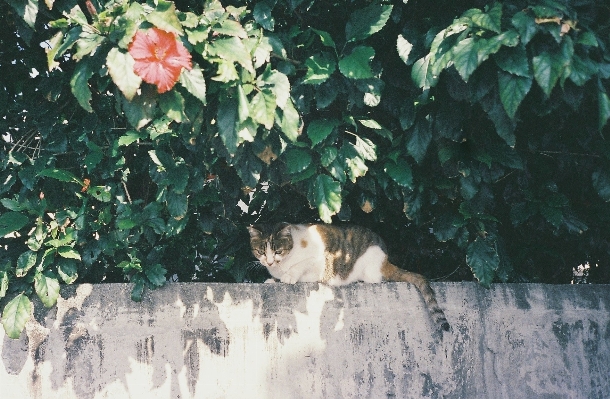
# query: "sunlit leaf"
[[357, 64], [15, 315], [319, 68], [47, 288], [25, 262], [165, 17], [327, 195], [367, 21], [194, 82]]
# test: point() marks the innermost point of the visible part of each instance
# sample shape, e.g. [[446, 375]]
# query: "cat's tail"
[[391, 272]]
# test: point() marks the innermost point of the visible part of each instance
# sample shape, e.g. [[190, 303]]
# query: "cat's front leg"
[[289, 278]]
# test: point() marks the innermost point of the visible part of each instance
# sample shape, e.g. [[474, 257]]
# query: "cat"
[[335, 255]]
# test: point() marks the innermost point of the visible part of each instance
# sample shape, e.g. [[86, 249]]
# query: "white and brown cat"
[[335, 255]]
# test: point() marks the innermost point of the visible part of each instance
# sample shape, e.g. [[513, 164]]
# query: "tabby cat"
[[335, 255]]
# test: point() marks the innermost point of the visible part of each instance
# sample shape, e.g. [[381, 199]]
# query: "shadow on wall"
[[196, 340]]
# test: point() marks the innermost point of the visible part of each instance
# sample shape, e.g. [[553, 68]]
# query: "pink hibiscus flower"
[[159, 57]]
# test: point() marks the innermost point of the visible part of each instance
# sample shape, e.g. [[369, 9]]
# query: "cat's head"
[[270, 243]]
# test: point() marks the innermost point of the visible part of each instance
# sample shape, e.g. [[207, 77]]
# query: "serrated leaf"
[[67, 270], [227, 120], [297, 160], [15, 315], [400, 172], [68, 253], [547, 71], [319, 68], [4, 281], [319, 129], [262, 108], [165, 17], [120, 67], [420, 139], [490, 20], [279, 85], [526, 25], [512, 90], [177, 204], [11, 222], [138, 287], [230, 28], [366, 148], [290, 121], [233, 50], [79, 84], [357, 64], [172, 104], [514, 60], [367, 21], [156, 274], [263, 15], [466, 57], [130, 137], [483, 259], [328, 155], [193, 81], [61, 175], [47, 288], [25, 262], [404, 48], [327, 196], [26, 9]]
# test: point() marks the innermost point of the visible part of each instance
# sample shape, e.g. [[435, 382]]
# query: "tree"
[[471, 136]]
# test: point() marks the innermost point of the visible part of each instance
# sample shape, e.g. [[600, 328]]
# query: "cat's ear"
[[254, 232], [284, 230]]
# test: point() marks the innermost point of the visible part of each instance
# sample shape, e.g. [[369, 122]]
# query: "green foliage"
[[473, 139]]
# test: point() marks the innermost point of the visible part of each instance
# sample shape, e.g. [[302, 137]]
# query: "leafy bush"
[[471, 136]]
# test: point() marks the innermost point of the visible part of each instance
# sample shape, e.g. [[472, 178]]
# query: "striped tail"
[[392, 273]]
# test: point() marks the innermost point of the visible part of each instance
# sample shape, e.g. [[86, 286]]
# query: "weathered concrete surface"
[[311, 341]]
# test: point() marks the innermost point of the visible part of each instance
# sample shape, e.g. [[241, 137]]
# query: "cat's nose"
[[270, 260]]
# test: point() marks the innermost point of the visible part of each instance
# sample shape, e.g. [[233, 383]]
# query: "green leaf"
[[138, 287], [490, 20], [513, 90], [177, 204], [400, 172], [67, 270], [327, 196], [15, 315], [357, 64], [11, 222], [279, 85], [68, 253], [483, 259], [367, 21], [120, 67], [262, 14], [227, 120], [47, 288], [319, 129], [366, 148], [404, 48], [326, 38], [192, 80], [130, 137], [26, 9], [328, 155], [514, 60], [140, 111], [79, 84], [156, 274], [603, 103], [601, 183], [4, 281], [165, 17], [420, 139], [290, 121], [25, 262], [297, 160], [319, 68], [61, 175], [466, 57], [525, 24], [421, 74], [262, 108], [233, 50], [547, 70], [100, 193], [172, 104], [377, 128]]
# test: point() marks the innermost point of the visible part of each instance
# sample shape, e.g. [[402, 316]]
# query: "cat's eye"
[[279, 252]]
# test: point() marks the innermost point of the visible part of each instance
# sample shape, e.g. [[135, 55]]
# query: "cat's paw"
[[289, 279], [271, 280]]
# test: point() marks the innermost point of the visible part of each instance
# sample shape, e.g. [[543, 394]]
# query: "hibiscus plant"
[[471, 135]]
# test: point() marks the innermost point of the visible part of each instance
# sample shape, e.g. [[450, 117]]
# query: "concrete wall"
[[311, 341]]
